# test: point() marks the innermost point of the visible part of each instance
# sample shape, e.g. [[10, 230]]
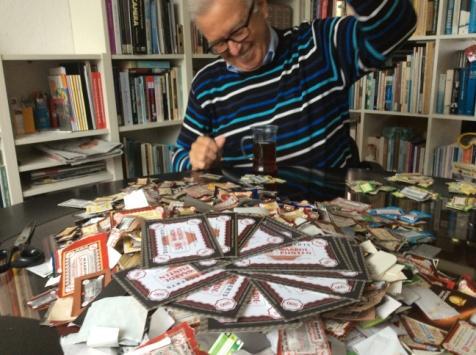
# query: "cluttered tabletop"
[[305, 262]]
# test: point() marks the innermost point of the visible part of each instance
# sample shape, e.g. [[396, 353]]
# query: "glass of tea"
[[264, 148]]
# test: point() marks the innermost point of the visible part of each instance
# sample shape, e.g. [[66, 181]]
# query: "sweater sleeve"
[[196, 123], [363, 42]]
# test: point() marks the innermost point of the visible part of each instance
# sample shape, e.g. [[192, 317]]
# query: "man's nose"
[[234, 48]]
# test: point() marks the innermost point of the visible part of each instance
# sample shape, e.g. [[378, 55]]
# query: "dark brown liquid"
[[264, 161]]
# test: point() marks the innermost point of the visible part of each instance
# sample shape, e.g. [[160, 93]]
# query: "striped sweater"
[[304, 90]]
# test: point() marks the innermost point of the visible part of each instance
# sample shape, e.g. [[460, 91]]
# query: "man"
[[298, 79]]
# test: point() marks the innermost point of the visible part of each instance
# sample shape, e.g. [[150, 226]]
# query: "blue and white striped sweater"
[[304, 90]]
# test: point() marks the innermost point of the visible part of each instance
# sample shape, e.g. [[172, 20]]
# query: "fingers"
[[220, 142], [205, 151]]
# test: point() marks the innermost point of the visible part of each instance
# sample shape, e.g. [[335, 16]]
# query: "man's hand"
[[205, 152]]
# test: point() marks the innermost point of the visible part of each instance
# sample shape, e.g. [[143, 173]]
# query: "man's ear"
[[263, 7]]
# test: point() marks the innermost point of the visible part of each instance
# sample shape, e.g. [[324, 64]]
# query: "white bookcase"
[[29, 51], [23, 74], [437, 129]]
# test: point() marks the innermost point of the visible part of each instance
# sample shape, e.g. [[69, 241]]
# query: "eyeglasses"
[[239, 35]]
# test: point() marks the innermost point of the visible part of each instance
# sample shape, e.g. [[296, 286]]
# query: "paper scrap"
[[43, 270], [130, 319], [75, 203], [113, 256], [384, 342], [160, 322], [135, 199], [432, 305], [103, 337], [387, 307], [60, 310], [381, 262], [53, 281]]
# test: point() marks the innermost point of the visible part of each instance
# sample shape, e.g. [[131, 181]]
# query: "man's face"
[[223, 20]]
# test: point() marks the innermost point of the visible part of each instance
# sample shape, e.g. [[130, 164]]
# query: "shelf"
[[440, 116], [148, 57], [204, 56], [62, 57], [138, 127], [453, 37], [50, 136], [67, 184], [394, 113], [36, 160], [422, 38]]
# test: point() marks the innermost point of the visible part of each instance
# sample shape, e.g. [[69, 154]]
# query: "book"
[[448, 90], [470, 94], [110, 26], [98, 99], [440, 100], [455, 91], [116, 26], [77, 68], [125, 25], [137, 19], [60, 93], [5, 192], [449, 16], [463, 25], [472, 17], [456, 17], [464, 73]]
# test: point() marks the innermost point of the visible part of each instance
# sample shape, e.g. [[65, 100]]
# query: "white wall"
[[51, 27]]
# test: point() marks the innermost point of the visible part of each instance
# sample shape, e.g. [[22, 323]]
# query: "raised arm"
[[362, 43]]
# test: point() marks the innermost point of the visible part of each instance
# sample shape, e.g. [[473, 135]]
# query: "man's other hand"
[[205, 152]]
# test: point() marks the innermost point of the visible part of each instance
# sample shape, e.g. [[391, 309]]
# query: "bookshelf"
[[51, 136], [20, 76], [436, 128], [29, 54], [67, 184]]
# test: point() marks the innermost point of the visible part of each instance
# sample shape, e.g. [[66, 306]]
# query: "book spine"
[[126, 27], [74, 108], [456, 15], [464, 73], [89, 92], [449, 16], [143, 99], [158, 98], [126, 98], [147, 106], [110, 26], [435, 17], [147, 26], [4, 186], [388, 93], [132, 90], [99, 100], [151, 98], [138, 26], [471, 90], [448, 90], [154, 30], [472, 17], [463, 25], [116, 26], [440, 102], [455, 91]]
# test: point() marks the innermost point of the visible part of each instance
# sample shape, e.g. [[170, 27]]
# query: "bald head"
[[200, 7]]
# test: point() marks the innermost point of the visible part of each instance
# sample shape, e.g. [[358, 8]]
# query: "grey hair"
[[200, 7]]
